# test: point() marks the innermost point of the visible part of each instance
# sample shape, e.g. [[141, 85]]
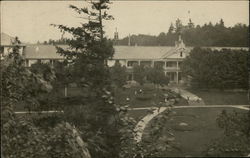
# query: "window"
[[171, 75], [146, 63], [31, 62], [27, 62], [132, 63], [179, 64], [1, 49], [171, 64], [179, 76], [158, 64]]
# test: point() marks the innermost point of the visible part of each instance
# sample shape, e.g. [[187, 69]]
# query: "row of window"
[[29, 62], [172, 76], [159, 63]]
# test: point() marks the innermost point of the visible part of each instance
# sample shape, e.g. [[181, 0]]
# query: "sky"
[[30, 20]]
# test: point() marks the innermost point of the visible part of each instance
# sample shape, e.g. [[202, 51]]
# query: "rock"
[[183, 124]]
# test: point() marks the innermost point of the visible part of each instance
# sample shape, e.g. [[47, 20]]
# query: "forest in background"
[[194, 35]]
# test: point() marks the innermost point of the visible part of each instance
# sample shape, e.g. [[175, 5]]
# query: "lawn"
[[222, 97], [200, 130], [151, 96], [138, 114]]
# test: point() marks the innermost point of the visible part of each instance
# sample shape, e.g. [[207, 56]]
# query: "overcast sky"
[[30, 20]]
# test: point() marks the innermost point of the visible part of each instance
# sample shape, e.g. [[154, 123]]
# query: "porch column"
[[177, 77], [177, 73], [27, 63]]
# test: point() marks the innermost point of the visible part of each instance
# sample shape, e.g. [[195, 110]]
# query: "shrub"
[[31, 141]]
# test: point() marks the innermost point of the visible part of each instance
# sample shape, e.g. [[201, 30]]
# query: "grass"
[[150, 97], [201, 130], [222, 97], [137, 114]]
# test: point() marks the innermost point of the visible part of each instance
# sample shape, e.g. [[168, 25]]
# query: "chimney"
[[179, 43], [116, 37]]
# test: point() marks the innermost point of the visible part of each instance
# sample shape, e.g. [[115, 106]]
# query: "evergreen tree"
[[140, 73], [156, 76], [171, 28], [207, 35], [190, 24], [118, 74], [178, 26], [87, 55]]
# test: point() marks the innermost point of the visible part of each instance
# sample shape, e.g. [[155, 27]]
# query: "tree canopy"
[[195, 35], [224, 69], [118, 74]]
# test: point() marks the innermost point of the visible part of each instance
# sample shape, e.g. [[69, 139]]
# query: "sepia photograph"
[[124, 78]]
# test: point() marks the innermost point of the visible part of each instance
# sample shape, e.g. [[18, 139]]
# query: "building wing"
[[43, 52], [6, 40], [140, 52]]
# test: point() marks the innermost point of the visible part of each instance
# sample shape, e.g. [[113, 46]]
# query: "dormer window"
[[181, 54]]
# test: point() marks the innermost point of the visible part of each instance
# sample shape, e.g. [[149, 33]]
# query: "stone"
[[183, 124]]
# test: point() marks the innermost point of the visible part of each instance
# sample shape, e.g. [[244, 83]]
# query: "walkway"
[[141, 125], [139, 128], [191, 98]]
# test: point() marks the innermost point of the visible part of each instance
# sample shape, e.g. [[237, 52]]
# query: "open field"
[[200, 130], [222, 97]]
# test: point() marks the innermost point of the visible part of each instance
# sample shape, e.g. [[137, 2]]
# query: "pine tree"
[[190, 24], [178, 26], [171, 28], [87, 55]]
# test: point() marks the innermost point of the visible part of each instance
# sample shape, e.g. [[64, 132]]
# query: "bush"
[[31, 141]]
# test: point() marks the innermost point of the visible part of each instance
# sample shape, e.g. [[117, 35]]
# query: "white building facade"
[[170, 58]]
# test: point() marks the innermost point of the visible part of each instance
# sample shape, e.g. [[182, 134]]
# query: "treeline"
[[207, 35], [224, 69]]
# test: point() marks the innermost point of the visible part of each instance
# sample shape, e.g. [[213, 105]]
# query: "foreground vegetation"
[[94, 127], [201, 132]]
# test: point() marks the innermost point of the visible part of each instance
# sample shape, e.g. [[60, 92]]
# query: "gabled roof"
[[42, 52], [6, 40], [145, 52], [140, 52], [233, 48], [121, 52]]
